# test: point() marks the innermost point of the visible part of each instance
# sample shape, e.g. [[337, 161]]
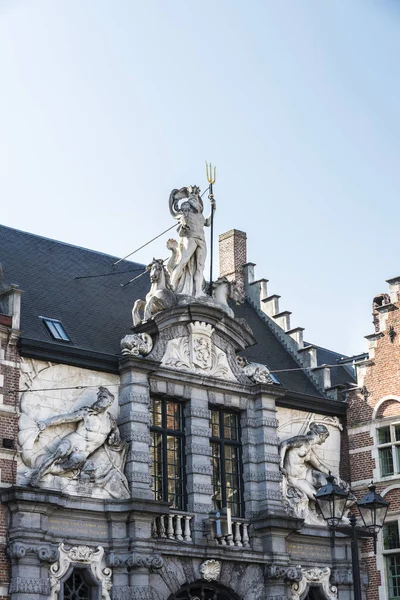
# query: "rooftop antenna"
[[211, 178]]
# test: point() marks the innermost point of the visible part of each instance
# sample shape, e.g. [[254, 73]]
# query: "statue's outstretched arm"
[[315, 462], [72, 417], [207, 222]]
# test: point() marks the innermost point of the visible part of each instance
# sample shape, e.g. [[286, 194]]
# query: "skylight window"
[[56, 329]]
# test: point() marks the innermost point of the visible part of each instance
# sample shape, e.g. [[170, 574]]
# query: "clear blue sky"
[[105, 106]]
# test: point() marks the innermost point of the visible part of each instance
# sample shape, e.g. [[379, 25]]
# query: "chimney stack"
[[233, 256]]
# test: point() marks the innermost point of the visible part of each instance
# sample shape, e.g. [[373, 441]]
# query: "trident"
[[211, 178]]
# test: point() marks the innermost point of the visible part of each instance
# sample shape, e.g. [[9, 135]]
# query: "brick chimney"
[[233, 256]]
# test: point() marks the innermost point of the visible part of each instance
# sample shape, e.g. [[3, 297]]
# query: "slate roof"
[[96, 311], [269, 351]]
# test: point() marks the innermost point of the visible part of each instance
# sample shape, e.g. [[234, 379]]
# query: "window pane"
[[384, 435], [61, 333], [156, 467], [393, 569], [215, 423], [156, 414], [232, 479], [174, 471], [168, 482], [397, 433], [230, 426], [386, 460], [173, 416], [391, 536], [216, 477]]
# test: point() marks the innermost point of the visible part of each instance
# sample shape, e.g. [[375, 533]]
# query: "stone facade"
[[89, 447], [373, 411]]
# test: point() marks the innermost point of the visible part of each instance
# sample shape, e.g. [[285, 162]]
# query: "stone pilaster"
[[198, 461], [261, 473], [134, 424]]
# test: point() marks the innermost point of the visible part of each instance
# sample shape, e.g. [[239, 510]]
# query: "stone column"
[[134, 424], [198, 461]]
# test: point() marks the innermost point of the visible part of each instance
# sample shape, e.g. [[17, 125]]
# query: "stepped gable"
[[269, 351]]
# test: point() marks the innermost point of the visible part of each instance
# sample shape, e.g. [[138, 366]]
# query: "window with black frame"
[[167, 446], [226, 461]]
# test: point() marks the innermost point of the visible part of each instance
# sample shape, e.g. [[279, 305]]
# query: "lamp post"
[[331, 500]]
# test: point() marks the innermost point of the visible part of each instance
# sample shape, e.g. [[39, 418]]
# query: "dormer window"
[[56, 329]]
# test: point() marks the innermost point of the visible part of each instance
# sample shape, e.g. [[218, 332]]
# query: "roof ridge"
[[326, 349], [43, 237]]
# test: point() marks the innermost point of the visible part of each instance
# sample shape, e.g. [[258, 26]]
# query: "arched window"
[[204, 590]]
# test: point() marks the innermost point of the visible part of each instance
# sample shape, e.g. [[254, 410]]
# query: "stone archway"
[[204, 590]]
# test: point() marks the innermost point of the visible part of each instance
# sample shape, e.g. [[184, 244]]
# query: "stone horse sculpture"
[[160, 296]]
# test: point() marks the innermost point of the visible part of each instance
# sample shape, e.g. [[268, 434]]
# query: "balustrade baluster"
[[170, 530], [245, 538], [178, 528], [162, 527], [187, 533], [238, 537]]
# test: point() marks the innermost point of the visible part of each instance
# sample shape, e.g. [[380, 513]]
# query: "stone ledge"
[[33, 498]]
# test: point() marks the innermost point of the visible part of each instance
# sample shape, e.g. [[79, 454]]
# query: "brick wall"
[[9, 384], [380, 377]]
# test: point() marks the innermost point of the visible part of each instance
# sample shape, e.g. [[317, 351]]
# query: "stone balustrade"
[[174, 526], [235, 533]]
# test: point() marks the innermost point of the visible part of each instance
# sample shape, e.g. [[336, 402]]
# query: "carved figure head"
[[158, 271], [319, 431], [104, 399]]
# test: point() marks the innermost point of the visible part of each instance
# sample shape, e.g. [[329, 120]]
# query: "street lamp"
[[373, 509], [331, 500]]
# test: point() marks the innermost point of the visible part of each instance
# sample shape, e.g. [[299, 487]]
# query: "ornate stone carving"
[[210, 570], [200, 488], [256, 372], [315, 576], [198, 449], [30, 585], [136, 344], [200, 469], [197, 507], [133, 592], [153, 561], [198, 353], [95, 561], [199, 431], [304, 472], [78, 451], [223, 290], [194, 411], [187, 262], [45, 553], [285, 573], [140, 477], [160, 296]]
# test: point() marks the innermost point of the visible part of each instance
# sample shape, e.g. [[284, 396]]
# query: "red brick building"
[[373, 419]]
